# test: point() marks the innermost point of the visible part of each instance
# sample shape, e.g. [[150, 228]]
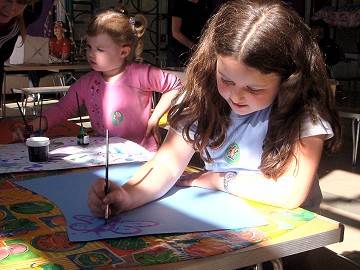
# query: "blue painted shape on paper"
[[180, 210]]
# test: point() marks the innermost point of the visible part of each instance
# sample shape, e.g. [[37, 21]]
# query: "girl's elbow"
[[293, 195], [294, 202], [287, 204]]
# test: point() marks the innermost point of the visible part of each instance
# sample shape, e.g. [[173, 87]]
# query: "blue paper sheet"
[[180, 210]]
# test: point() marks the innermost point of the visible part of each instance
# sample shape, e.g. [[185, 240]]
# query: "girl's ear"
[[125, 51]]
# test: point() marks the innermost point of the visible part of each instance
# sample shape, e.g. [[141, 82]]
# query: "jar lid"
[[37, 141]]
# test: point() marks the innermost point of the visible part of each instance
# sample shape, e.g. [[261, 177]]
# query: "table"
[[34, 239], [37, 67], [30, 239], [30, 91]]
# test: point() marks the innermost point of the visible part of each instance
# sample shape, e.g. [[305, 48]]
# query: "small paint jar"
[[38, 148], [83, 138]]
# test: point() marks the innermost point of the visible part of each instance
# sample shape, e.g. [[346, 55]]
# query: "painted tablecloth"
[[66, 154], [33, 236]]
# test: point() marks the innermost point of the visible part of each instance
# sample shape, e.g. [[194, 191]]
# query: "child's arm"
[[56, 113], [176, 23], [66, 107], [168, 85], [161, 108], [288, 191], [151, 182]]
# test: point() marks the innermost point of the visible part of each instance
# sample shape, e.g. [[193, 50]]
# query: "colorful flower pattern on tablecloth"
[[37, 239]]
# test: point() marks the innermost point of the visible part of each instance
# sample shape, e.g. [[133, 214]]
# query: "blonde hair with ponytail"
[[123, 29]]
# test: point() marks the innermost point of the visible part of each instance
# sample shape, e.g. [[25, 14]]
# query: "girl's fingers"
[[98, 200], [98, 188], [95, 207], [98, 212], [189, 179], [185, 182], [96, 195], [112, 198], [116, 200]]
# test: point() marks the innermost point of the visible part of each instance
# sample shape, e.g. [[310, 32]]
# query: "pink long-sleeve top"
[[122, 106]]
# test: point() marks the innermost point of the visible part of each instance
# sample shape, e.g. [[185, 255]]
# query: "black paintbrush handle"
[[21, 112]]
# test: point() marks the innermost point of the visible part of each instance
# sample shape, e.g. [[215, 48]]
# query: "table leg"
[[25, 97], [355, 138], [38, 101], [276, 265]]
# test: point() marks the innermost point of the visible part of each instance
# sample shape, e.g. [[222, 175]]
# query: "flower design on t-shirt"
[[232, 153], [117, 118]]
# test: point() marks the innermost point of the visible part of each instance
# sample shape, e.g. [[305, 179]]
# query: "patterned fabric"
[[32, 235]]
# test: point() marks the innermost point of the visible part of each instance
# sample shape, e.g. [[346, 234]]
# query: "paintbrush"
[[107, 173], [28, 128], [40, 132], [82, 138], [78, 104]]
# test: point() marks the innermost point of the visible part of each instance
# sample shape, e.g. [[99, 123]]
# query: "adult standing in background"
[[15, 16], [188, 18]]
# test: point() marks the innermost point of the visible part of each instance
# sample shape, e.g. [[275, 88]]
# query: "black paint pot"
[[38, 148]]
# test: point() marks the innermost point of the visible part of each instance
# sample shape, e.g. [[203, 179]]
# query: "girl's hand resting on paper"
[[209, 180], [116, 198]]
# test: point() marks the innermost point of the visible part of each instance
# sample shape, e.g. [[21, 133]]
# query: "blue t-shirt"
[[241, 150], [242, 147]]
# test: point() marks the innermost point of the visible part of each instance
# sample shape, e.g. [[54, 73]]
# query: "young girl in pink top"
[[118, 92]]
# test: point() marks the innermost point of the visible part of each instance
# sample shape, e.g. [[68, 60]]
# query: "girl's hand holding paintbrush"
[[121, 198], [102, 194], [117, 198]]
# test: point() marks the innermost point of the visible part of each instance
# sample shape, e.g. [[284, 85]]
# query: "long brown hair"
[[271, 37], [122, 28], [20, 19]]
